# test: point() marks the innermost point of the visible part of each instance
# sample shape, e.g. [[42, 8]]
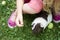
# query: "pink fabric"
[[10, 22], [36, 5], [56, 17]]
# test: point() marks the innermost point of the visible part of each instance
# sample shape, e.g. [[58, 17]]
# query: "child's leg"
[[33, 6], [28, 10], [31, 9], [56, 14], [11, 20]]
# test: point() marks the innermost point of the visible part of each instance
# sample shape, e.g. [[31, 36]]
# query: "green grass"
[[24, 33]]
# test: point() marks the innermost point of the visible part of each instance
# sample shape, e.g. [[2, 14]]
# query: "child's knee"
[[36, 5], [33, 7], [28, 9]]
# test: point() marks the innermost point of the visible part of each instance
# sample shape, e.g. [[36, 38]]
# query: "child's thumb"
[[19, 23]]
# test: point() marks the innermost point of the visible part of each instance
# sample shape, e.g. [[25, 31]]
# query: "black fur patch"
[[37, 29], [43, 14]]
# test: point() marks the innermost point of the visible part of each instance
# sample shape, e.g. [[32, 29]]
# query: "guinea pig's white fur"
[[43, 22]]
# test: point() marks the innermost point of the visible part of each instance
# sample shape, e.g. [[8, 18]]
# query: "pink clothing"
[[36, 5]]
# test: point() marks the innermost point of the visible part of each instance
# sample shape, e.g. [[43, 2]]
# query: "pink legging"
[[36, 5]]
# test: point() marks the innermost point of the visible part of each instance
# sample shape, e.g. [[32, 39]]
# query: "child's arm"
[[19, 19]]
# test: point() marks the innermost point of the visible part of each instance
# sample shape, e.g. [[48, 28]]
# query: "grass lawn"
[[24, 33]]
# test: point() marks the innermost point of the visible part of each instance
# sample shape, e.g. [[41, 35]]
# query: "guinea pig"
[[41, 21]]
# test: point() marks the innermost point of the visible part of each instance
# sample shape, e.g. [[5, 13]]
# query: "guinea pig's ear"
[[37, 28]]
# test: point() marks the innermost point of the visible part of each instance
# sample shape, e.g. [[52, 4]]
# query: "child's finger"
[[19, 23]]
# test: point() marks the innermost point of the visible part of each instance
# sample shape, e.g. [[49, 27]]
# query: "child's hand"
[[19, 20]]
